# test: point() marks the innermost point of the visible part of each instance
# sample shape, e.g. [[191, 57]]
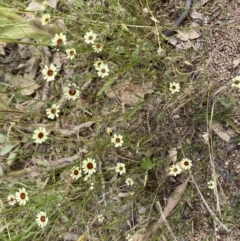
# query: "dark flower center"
[[71, 53], [174, 87], [117, 140], [40, 135], [90, 165], [236, 82], [72, 91], [98, 46], [90, 37], [50, 72], [43, 219], [186, 163], [53, 111], [59, 41], [22, 195], [103, 71], [76, 172]]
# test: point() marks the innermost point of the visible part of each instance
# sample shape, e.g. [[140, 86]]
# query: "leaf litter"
[[172, 202]]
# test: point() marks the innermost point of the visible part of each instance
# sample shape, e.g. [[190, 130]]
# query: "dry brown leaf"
[[236, 62], [2, 48], [173, 154], [188, 63], [218, 129], [25, 83], [76, 129], [82, 238], [128, 93], [187, 35], [62, 162], [33, 66], [172, 202], [138, 237], [35, 5], [197, 15]]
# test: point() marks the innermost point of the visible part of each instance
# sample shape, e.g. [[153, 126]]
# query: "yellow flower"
[[98, 64], [186, 164], [59, 39], [40, 135], [71, 92], [97, 47], [49, 73], [42, 219], [103, 71], [45, 4], [211, 184], [129, 181], [76, 173], [120, 168], [89, 166], [100, 218], [117, 140], [53, 111], [11, 199], [174, 170], [46, 18], [174, 87], [90, 37], [21, 196], [236, 81], [71, 53]]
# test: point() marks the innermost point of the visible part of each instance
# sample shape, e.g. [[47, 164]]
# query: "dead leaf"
[[35, 5], [128, 93], [197, 15], [173, 154], [185, 35], [82, 238], [25, 83], [218, 129], [188, 63], [124, 27], [236, 62], [33, 66], [173, 40], [62, 162], [53, 3], [76, 129], [138, 237], [71, 236], [172, 202], [2, 48]]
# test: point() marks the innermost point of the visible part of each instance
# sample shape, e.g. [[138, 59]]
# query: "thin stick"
[[206, 205]]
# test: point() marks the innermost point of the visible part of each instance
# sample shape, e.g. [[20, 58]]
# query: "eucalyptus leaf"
[[7, 149], [2, 138], [11, 158]]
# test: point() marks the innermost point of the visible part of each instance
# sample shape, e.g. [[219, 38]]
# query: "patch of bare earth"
[[221, 44]]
